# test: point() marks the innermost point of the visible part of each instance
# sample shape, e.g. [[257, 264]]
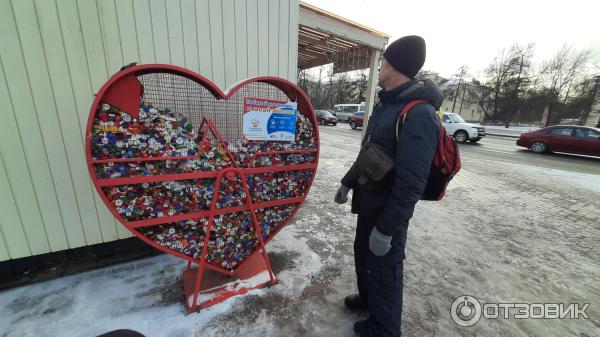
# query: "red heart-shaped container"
[[167, 153]]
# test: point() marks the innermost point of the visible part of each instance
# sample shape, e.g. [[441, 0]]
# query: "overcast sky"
[[461, 32]]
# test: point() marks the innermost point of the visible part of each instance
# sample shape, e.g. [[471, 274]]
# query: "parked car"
[[461, 130], [344, 111], [325, 117], [563, 138], [356, 119]]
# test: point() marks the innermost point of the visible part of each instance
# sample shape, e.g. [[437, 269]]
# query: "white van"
[[344, 111]]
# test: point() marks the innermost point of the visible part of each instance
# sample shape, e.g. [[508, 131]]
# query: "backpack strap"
[[403, 114]]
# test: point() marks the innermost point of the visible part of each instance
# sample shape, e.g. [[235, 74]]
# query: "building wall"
[[470, 112], [593, 119], [467, 105], [55, 55]]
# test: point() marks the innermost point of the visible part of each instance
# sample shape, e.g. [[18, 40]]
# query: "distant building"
[[594, 115], [465, 101]]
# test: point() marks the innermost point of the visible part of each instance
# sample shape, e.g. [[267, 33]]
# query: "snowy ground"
[[505, 233], [514, 131], [512, 127]]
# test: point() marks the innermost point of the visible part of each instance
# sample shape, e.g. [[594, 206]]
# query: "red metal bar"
[[250, 205], [269, 169], [205, 133], [216, 133], [141, 159], [279, 202], [208, 213], [256, 226], [206, 239], [198, 175], [260, 154], [156, 178]]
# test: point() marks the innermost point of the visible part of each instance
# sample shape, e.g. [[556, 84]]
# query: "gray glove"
[[379, 243], [341, 197]]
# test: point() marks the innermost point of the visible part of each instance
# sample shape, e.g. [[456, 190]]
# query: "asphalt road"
[[499, 148]]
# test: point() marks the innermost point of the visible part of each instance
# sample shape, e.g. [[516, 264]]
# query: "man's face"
[[384, 72]]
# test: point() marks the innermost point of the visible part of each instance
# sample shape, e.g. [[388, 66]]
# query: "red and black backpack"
[[446, 160]]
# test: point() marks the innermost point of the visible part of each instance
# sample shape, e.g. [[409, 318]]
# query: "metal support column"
[[371, 86]]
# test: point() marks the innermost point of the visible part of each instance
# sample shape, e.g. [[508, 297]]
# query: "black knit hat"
[[407, 55]]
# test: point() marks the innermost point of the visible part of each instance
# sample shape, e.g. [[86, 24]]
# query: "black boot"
[[363, 329], [354, 302]]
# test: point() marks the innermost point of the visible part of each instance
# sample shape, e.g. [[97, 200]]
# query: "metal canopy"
[[316, 48], [325, 38]]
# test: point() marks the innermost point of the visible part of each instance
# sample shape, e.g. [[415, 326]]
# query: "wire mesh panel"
[[194, 101]]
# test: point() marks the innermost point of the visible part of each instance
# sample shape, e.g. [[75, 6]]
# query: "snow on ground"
[[512, 128], [559, 177], [514, 131], [505, 233]]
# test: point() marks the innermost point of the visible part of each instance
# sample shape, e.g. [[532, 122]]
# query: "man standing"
[[383, 215]]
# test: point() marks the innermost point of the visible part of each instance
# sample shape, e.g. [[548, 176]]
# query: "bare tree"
[[560, 73], [503, 68], [460, 75], [358, 87], [562, 70], [517, 85], [428, 75], [481, 97]]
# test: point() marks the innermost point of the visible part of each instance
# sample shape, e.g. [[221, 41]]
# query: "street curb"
[[502, 135]]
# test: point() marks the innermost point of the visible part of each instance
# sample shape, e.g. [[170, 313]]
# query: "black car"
[[325, 117]]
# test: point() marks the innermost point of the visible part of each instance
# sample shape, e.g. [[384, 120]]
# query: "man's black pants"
[[379, 278]]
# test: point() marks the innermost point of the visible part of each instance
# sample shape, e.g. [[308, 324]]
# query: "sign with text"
[[266, 119]]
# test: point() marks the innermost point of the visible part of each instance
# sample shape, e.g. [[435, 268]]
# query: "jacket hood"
[[425, 90]]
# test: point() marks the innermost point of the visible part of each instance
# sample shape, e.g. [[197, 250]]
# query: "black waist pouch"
[[373, 169]]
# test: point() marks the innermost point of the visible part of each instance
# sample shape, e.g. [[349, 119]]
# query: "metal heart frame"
[[118, 90]]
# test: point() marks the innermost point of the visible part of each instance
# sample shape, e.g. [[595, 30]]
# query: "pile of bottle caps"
[[166, 134], [211, 157], [231, 192], [265, 187], [232, 236], [123, 146], [157, 133], [161, 199]]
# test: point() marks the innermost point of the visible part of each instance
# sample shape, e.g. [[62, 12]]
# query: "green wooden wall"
[[55, 54]]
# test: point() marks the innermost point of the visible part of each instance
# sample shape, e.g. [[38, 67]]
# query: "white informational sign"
[[266, 119]]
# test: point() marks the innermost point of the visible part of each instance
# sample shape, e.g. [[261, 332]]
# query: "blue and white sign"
[[269, 120]]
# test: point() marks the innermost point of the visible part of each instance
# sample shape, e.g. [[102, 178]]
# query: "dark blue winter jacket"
[[393, 207]]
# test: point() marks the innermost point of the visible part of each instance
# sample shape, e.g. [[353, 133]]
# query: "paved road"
[[502, 149]]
